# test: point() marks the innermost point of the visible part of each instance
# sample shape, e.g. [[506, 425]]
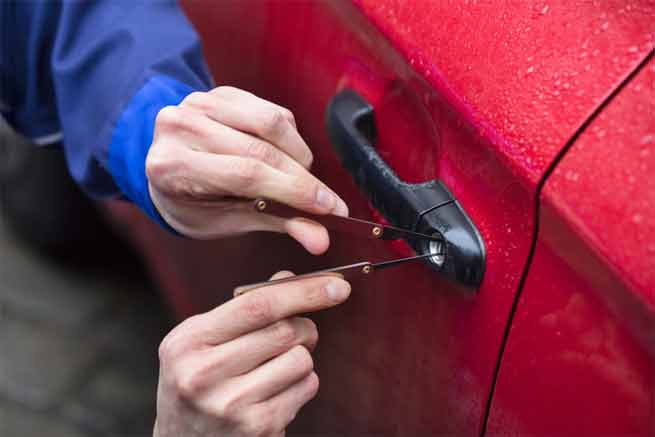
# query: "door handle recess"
[[426, 207]]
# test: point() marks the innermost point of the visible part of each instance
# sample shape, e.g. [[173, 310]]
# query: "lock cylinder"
[[438, 248]]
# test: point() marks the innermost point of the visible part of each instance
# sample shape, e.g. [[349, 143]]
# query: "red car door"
[[585, 319], [479, 97]]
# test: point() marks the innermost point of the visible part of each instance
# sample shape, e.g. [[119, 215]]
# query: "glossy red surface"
[[581, 353], [409, 354], [527, 73]]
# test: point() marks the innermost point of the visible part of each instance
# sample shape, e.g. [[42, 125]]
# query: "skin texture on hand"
[[244, 369], [216, 150]]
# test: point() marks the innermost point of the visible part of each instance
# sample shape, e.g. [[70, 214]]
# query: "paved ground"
[[78, 346]]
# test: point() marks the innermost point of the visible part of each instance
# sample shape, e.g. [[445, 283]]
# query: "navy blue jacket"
[[93, 75]]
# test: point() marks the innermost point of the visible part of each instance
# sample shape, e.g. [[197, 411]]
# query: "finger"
[[187, 174], [246, 112], [269, 417], [206, 135], [288, 113], [245, 353], [268, 120], [276, 375], [210, 220], [267, 305], [312, 236], [213, 176], [285, 406]]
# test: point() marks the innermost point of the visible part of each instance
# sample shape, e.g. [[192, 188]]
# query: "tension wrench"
[[348, 225]]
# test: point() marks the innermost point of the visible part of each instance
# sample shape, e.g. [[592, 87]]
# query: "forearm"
[[114, 66]]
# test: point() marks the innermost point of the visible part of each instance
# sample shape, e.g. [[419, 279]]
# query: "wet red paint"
[[527, 73], [409, 354], [581, 353]]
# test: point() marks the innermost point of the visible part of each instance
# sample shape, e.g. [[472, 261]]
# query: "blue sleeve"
[[114, 64]]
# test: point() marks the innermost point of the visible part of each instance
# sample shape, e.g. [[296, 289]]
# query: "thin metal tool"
[[346, 225], [349, 271]]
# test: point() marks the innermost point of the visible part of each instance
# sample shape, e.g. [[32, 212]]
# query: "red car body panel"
[[580, 356], [480, 96], [526, 73]]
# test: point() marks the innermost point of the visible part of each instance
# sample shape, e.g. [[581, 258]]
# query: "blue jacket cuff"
[[132, 137]]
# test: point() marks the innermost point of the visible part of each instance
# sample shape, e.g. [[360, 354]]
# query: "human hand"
[[244, 369], [216, 149]]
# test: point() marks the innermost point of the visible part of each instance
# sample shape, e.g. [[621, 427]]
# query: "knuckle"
[[302, 359], [257, 307], [159, 162], [194, 97], [262, 151], [190, 383], [260, 422], [154, 164], [173, 119], [316, 294], [288, 115], [170, 173], [305, 190], [284, 333], [169, 116], [174, 344], [308, 159], [273, 123], [248, 171], [227, 406], [167, 350], [257, 429], [223, 91], [192, 323], [177, 185], [197, 99], [311, 330], [188, 189], [313, 384]]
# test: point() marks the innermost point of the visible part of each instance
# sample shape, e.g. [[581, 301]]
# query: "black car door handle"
[[426, 207]]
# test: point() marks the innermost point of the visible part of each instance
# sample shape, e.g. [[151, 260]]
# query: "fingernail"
[[338, 290], [325, 199]]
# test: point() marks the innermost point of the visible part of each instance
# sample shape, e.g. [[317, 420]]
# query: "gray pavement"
[[78, 346]]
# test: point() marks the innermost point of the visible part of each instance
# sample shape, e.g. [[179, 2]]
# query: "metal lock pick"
[[347, 225]]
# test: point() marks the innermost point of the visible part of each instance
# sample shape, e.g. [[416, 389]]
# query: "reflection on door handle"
[[426, 207]]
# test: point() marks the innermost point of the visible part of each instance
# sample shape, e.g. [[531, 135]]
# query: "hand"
[[227, 144], [244, 368]]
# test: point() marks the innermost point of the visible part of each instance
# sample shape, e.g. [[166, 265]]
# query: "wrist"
[[132, 137]]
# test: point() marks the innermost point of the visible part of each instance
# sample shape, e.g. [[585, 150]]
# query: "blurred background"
[[80, 323]]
